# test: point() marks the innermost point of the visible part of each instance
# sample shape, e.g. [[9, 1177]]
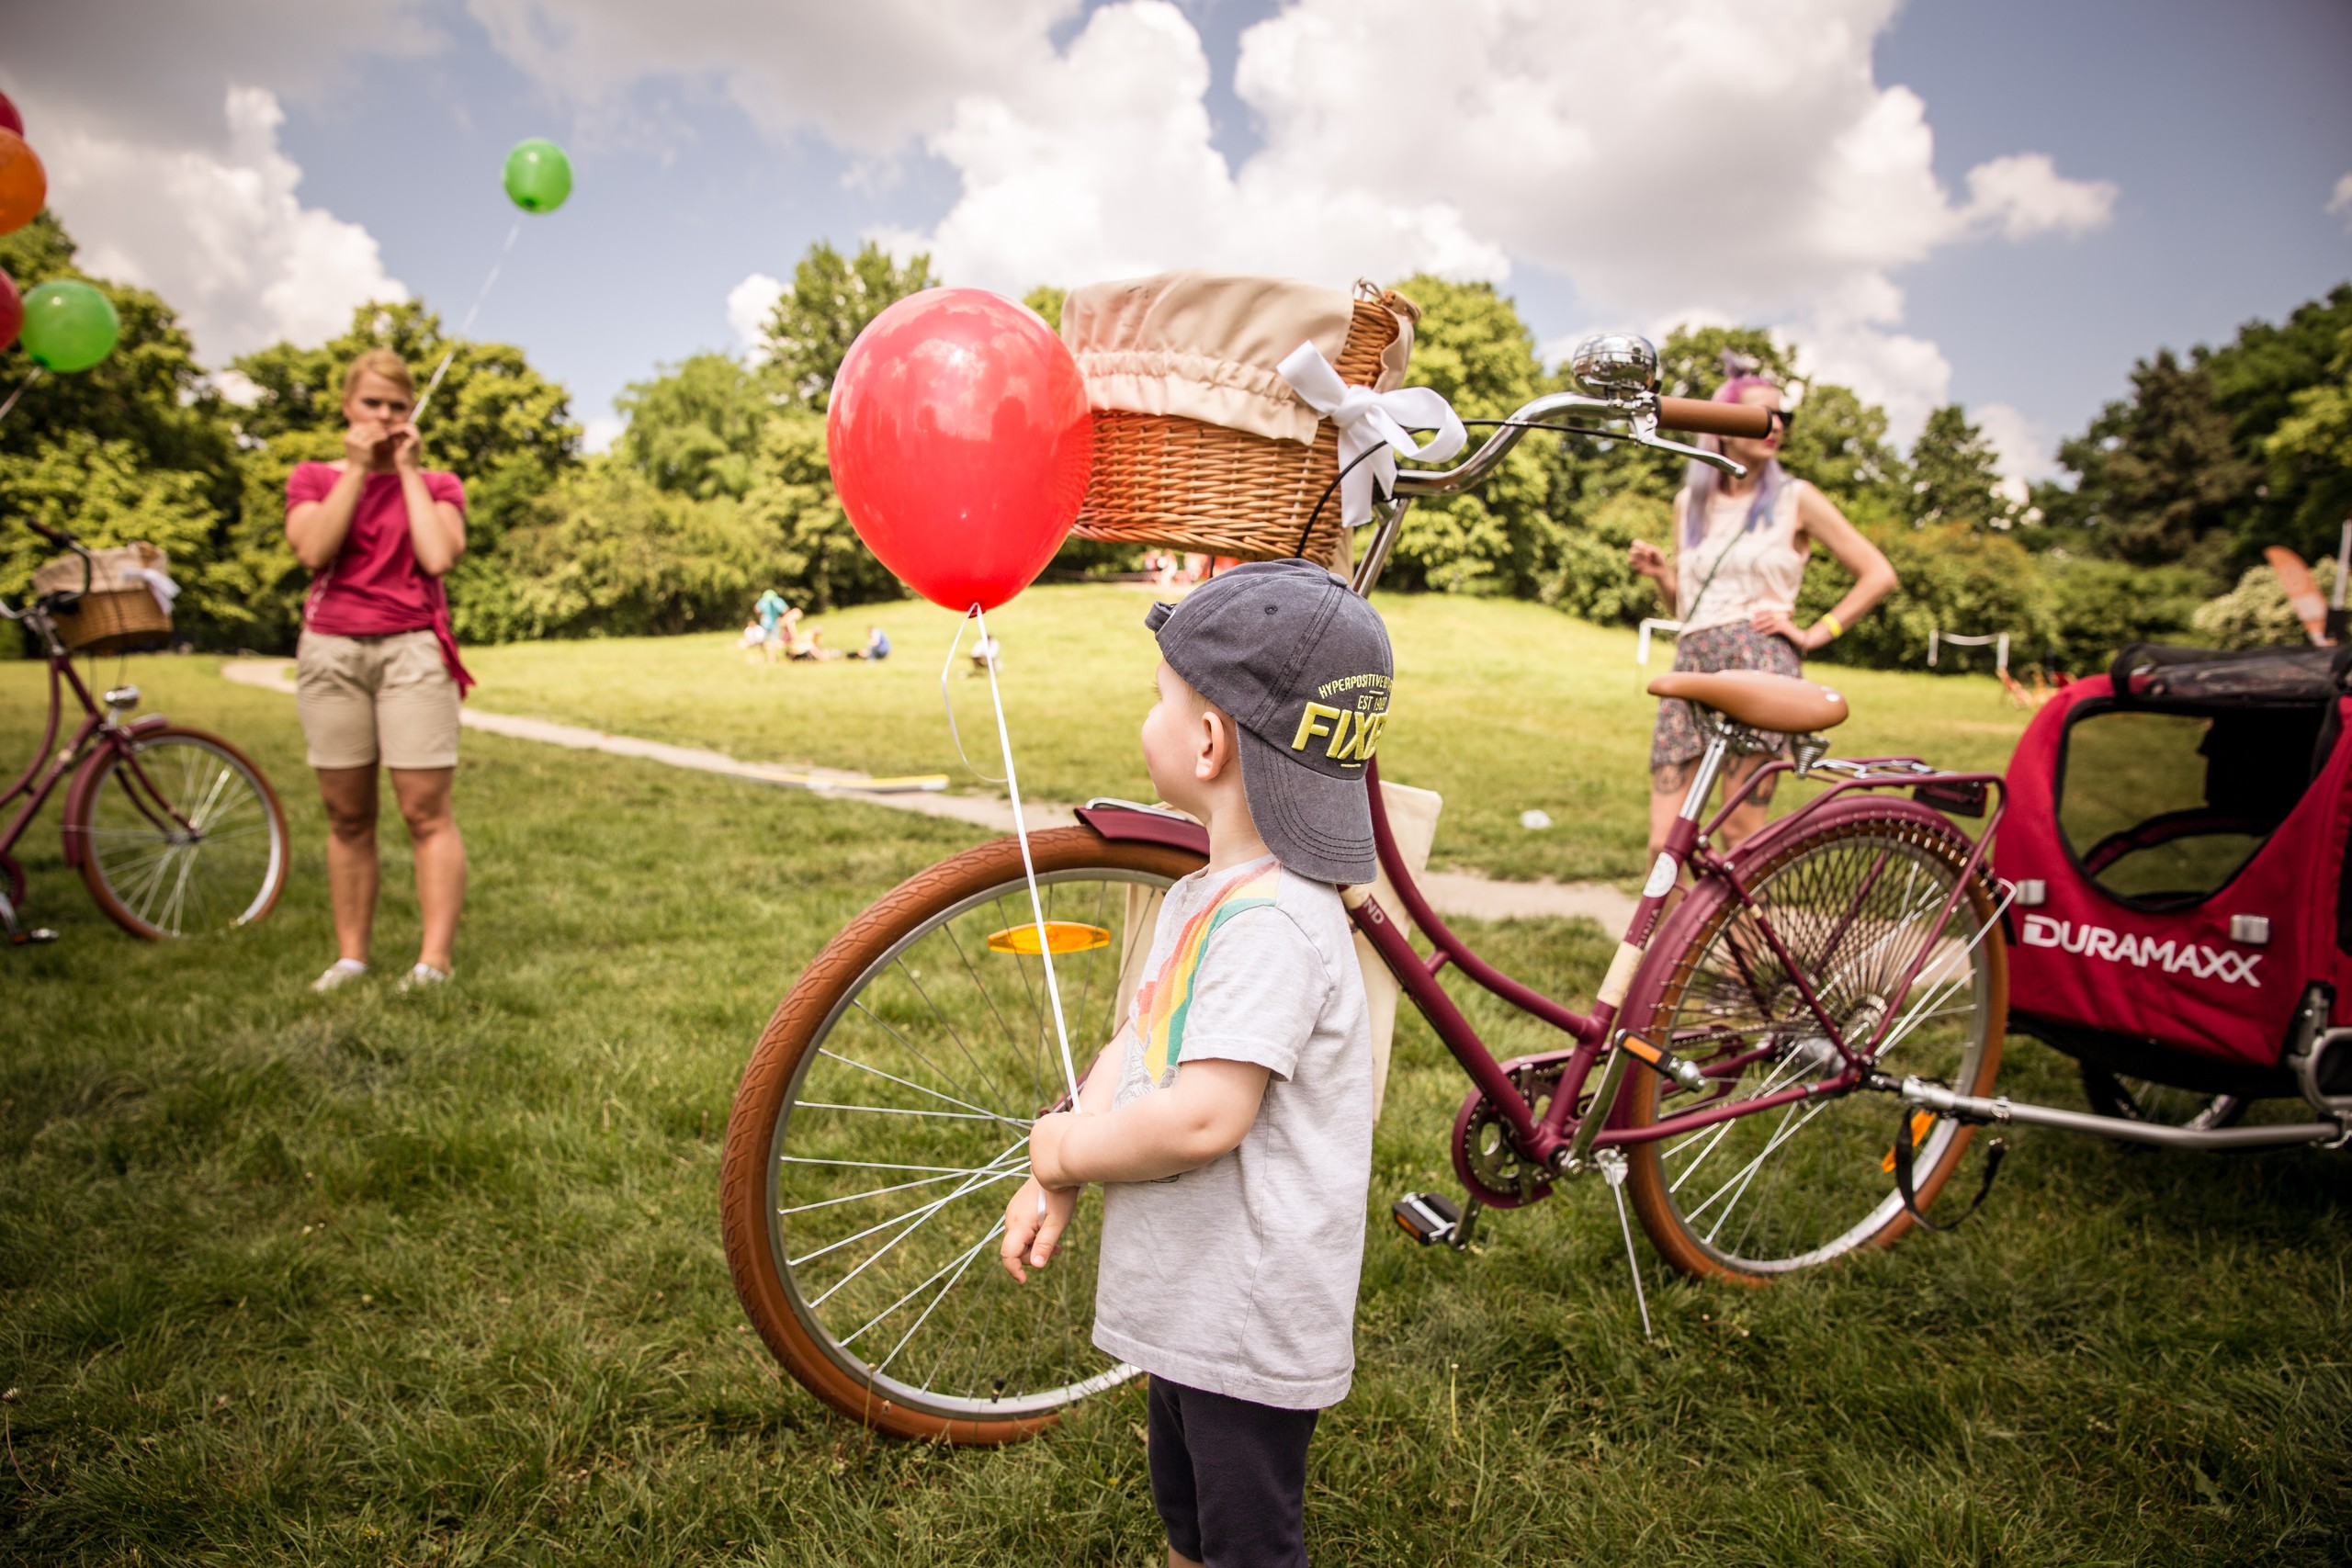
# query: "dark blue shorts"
[[1229, 1476]]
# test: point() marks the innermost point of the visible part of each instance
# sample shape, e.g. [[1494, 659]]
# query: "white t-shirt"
[[1240, 1277]]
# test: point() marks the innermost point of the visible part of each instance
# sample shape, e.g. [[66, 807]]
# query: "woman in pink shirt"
[[378, 677]]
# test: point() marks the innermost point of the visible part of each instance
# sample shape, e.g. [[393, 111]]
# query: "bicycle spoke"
[[962, 1264], [903, 1111], [918, 1088]]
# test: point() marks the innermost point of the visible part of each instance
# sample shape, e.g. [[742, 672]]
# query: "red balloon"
[[11, 310], [9, 117], [960, 440]]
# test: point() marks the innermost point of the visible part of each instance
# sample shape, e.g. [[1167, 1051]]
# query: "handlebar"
[[64, 539], [1705, 417], [1637, 418]]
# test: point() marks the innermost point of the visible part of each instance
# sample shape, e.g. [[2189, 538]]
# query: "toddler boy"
[[1230, 1119]]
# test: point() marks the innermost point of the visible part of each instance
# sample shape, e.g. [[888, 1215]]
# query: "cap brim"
[[1318, 826]]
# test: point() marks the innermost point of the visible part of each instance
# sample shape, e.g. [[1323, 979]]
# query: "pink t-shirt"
[[374, 587]]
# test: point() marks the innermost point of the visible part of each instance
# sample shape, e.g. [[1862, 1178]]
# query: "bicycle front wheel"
[[883, 1123], [180, 836], [1853, 896]]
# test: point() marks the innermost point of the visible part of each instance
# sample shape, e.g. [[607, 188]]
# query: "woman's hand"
[[1776, 623], [1646, 559], [1033, 1228], [360, 441], [408, 448]]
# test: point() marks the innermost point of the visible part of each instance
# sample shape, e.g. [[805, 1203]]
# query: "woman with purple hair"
[[1739, 558]]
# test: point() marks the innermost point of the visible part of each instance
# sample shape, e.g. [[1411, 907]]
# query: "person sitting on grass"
[[878, 646], [1230, 1119]]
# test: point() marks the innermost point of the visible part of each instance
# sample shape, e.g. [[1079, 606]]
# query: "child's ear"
[[1217, 744]]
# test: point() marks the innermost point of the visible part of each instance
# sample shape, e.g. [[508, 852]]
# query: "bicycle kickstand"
[[1612, 1170]]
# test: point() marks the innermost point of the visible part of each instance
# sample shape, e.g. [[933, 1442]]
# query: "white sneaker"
[[338, 973], [423, 975]]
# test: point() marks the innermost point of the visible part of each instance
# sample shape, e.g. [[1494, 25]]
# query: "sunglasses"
[[1783, 421]]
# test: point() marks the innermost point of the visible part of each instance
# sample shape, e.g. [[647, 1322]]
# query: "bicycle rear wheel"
[[189, 841], [1853, 895], [882, 1125]]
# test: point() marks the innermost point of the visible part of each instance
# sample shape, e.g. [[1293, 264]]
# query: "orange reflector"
[[1920, 1122], [1067, 936]]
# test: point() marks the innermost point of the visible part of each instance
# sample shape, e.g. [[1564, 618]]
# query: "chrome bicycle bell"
[[1615, 364]]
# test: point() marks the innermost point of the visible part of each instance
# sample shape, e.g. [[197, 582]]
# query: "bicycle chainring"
[[1489, 1164]]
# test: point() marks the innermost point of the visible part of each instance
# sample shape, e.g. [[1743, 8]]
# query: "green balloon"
[[538, 176], [68, 325]]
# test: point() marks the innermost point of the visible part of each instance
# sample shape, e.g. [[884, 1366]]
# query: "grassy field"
[[374, 1280], [1500, 706]]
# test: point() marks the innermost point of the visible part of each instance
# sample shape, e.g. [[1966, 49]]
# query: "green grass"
[[1500, 706], [374, 1280]]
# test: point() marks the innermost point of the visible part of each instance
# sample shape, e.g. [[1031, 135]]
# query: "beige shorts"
[[365, 699]]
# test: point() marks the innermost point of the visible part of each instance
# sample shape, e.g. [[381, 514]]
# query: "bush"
[[2256, 614]]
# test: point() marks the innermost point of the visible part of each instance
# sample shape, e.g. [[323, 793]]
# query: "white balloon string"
[[19, 392], [1028, 866], [468, 324], [948, 703]]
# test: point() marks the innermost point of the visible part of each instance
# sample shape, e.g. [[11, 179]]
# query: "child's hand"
[[1031, 1229]]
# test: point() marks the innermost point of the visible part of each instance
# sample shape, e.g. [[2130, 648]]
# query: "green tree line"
[[718, 485]]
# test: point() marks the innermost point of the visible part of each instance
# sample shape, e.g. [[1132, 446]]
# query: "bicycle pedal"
[[1663, 1062], [1428, 1217]]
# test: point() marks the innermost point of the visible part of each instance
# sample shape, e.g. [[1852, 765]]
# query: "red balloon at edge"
[[9, 117], [960, 441], [11, 310]]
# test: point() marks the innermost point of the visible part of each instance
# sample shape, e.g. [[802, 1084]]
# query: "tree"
[[1047, 301], [139, 446], [832, 298], [2159, 474], [1953, 475], [2309, 458], [695, 429]]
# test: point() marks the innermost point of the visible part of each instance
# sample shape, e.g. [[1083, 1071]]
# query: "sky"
[[1987, 201]]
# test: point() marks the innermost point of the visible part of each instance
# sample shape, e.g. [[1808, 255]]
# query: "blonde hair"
[[384, 363]]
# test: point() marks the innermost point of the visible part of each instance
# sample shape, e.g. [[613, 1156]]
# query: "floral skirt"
[[1734, 647]]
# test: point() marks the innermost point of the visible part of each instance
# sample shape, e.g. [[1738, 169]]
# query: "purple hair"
[[1704, 481]]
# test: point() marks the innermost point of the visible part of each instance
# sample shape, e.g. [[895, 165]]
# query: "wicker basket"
[[118, 613], [1184, 484]]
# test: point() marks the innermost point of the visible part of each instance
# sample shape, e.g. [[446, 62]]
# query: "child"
[[1230, 1120]]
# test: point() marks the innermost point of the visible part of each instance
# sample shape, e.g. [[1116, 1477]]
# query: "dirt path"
[[1452, 892]]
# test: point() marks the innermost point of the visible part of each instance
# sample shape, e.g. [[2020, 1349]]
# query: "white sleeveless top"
[[1741, 572]]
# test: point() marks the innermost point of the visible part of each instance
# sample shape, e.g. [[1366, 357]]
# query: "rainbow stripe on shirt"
[[1162, 1001]]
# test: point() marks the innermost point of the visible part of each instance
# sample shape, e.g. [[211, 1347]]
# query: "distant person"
[[1739, 558], [987, 653], [377, 674], [769, 611], [878, 646]]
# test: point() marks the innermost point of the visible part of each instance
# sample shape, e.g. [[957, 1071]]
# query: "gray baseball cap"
[[1303, 666]]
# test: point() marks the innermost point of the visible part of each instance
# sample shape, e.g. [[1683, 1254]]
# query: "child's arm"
[[1034, 1219], [1204, 1113]]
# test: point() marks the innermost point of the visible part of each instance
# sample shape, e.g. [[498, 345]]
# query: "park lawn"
[[374, 1280], [1502, 706]]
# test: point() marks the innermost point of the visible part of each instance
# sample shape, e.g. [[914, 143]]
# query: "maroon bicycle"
[[1736, 1070], [174, 830]]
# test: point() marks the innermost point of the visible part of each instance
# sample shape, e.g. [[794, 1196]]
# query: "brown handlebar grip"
[[1703, 417]]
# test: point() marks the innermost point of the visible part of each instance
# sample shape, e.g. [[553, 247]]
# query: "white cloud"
[[222, 235], [867, 76], [1715, 161], [2024, 195], [2029, 448], [748, 305], [598, 432], [2342, 201]]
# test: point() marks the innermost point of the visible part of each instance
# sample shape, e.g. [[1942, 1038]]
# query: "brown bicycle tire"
[[761, 1102], [1658, 990], [93, 876]]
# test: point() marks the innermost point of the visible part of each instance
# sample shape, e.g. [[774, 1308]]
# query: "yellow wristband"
[[1836, 627]]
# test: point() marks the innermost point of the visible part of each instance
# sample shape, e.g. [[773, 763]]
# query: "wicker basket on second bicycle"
[[122, 612], [1199, 444]]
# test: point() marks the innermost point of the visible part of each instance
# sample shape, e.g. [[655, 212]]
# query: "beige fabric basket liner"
[[112, 570], [1205, 345]]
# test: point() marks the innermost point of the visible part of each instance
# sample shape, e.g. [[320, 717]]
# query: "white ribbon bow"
[[1376, 422]]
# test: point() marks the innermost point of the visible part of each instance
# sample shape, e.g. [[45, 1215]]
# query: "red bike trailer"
[[2176, 839]]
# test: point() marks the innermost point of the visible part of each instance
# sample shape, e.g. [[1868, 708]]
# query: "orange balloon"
[[24, 184]]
